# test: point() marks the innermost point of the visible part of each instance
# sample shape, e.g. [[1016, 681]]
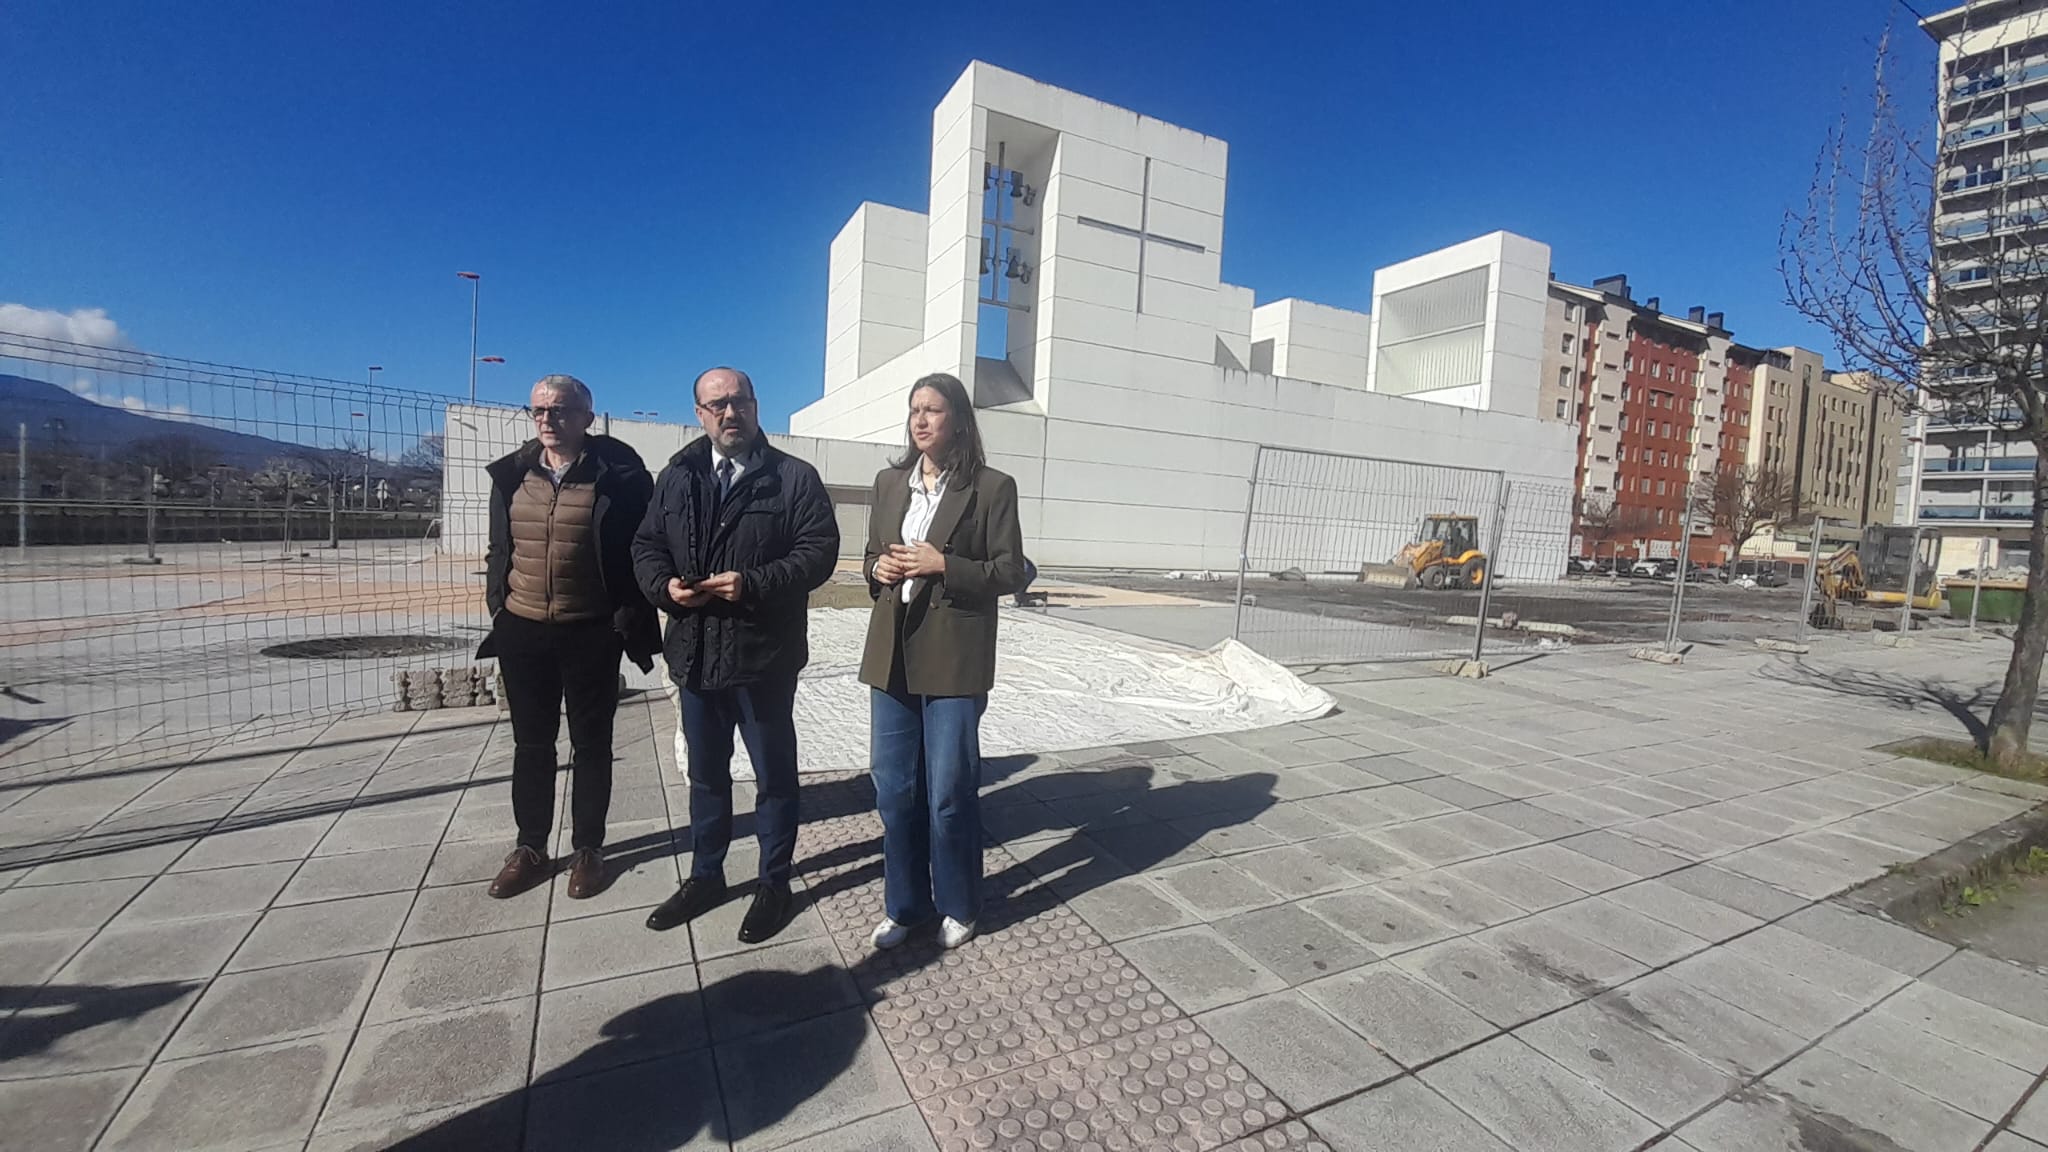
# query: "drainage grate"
[[366, 647]]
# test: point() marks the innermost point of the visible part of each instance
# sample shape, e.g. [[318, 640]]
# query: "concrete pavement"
[[1581, 905]]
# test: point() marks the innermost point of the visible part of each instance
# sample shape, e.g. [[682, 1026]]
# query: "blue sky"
[[652, 191]]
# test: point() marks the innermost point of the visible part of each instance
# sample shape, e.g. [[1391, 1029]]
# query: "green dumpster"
[[2001, 604]]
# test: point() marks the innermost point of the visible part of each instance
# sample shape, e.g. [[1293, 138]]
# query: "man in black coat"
[[737, 536], [564, 605]]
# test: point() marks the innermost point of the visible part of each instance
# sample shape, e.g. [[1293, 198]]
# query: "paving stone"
[[1215, 889], [455, 974], [1031, 929], [1543, 949], [1534, 1103], [805, 1079], [1742, 893], [1349, 776], [1843, 974], [1199, 969], [429, 1062], [1300, 1053], [1405, 1115], [772, 986], [2009, 1142], [1171, 1086], [97, 862], [1464, 906], [1869, 938], [241, 1010], [1390, 926], [1487, 982], [1130, 907], [1804, 1009], [1955, 1075], [591, 1027], [2032, 1121], [459, 862], [662, 1103], [317, 931], [1225, 834], [450, 913], [30, 961], [1145, 847], [176, 950], [899, 1129], [72, 1028], [374, 830], [359, 874], [1294, 871], [1293, 944], [1429, 841], [1401, 1015], [1293, 823], [65, 907], [1362, 857], [249, 1098], [217, 892], [600, 947], [1620, 1053], [1397, 768], [1573, 868], [1833, 1087], [289, 840], [1978, 1027], [2007, 987], [1682, 910], [716, 933], [1623, 853], [1630, 933], [61, 1113], [1458, 793], [1523, 887], [1797, 868]]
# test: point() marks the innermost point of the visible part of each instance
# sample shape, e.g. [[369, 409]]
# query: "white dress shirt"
[[740, 464], [917, 517]]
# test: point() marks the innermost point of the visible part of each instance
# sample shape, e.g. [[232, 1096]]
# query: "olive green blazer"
[[943, 643]]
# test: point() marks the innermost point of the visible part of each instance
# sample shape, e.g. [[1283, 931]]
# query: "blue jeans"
[[925, 756], [763, 714]]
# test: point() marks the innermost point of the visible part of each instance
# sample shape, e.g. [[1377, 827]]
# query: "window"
[[1602, 460], [1624, 392], [1664, 459], [1628, 361], [1560, 409], [1660, 488], [1656, 370], [1621, 422], [1667, 430], [1566, 348], [1564, 377]]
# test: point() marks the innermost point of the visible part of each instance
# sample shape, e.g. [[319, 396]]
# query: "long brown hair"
[[961, 457]]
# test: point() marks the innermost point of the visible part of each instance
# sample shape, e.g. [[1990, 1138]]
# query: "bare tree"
[[1599, 523], [426, 454], [1744, 501], [1923, 255]]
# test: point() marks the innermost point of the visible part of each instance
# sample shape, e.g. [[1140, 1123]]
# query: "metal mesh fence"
[[199, 551]]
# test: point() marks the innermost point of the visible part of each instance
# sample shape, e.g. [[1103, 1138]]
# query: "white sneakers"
[[953, 933], [888, 934]]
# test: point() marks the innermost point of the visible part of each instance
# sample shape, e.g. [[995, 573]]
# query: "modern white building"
[[1068, 268], [1970, 475]]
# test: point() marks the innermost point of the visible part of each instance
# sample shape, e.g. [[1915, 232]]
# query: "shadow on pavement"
[[55, 1011]]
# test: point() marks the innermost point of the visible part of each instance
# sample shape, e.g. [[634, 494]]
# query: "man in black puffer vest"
[[564, 605], [738, 535]]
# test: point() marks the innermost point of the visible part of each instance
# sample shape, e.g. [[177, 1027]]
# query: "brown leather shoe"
[[586, 873], [523, 869]]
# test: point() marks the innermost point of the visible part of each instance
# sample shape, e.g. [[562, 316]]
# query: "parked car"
[[1649, 568], [1584, 565], [1770, 578]]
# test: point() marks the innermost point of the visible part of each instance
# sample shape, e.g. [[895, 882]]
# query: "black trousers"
[[546, 667]]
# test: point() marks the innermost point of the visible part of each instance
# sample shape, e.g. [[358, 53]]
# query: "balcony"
[[1991, 177], [1982, 464], [1973, 86], [1995, 128], [2003, 513], [1996, 418]]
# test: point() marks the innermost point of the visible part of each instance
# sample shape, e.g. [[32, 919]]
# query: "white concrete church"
[[1069, 269]]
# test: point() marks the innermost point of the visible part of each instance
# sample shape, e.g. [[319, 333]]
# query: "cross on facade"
[[1143, 232]]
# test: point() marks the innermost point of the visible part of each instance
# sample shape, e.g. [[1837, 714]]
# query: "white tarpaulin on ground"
[[1059, 686]]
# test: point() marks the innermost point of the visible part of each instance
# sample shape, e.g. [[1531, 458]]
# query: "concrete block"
[[1487, 982], [1295, 871], [176, 950], [1994, 982], [318, 931], [1293, 944], [662, 1103], [1869, 938], [63, 1113], [242, 1010], [1978, 1084], [455, 974], [431, 1062], [1215, 889], [1770, 645], [1401, 1015], [1199, 969], [766, 988], [361, 874], [1402, 1114], [1389, 925], [1618, 1052], [805, 1079], [1657, 656], [1978, 1027], [1828, 1084], [248, 1098], [1296, 1049], [1718, 1032], [1535, 1103]]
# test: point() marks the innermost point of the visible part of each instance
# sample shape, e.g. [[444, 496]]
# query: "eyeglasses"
[[724, 404], [557, 412]]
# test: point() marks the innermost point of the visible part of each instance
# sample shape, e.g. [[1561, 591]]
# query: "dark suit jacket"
[[943, 643]]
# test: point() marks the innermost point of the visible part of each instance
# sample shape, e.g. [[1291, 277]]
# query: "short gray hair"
[[559, 382]]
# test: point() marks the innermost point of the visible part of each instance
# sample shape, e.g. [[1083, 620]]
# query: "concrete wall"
[[875, 305], [1463, 325], [1315, 342]]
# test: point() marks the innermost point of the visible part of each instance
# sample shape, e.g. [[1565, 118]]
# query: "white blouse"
[[917, 517]]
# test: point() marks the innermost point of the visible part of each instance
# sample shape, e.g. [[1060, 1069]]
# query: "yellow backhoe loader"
[[1444, 554], [1837, 580]]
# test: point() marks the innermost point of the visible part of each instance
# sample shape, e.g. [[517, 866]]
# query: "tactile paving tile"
[[1169, 1087], [943, 1038], [1021, 932], [1293, 1136], [824, 846]]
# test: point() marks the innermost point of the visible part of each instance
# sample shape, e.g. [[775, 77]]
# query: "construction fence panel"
[[199, 551], [1315, 520], [1552, 596]]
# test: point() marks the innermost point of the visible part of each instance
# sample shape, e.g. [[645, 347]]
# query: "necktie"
[[724, 479]]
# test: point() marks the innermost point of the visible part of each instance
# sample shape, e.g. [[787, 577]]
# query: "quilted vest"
[[554, 575]]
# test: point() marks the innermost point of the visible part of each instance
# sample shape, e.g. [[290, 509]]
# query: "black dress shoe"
[[768, 914], [693, 899]]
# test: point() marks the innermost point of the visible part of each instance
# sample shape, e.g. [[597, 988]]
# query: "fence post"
[[1812, 576], [1977, 597], [287, 514], [21, 491], [1912, 573], [1684, 568], [333, 515], [149, 518], [1500, 520], [1244, 544]]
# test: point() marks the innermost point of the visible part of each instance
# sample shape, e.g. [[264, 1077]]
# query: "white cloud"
[[79, 326]]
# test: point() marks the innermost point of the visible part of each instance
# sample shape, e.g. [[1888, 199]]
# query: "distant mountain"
[[59, 418]]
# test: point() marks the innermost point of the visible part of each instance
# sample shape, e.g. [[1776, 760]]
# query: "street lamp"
[[365, 418], [650, 413], [475, 287]]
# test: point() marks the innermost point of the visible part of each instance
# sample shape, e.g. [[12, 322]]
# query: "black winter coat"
[[623, 491], [775, 529]]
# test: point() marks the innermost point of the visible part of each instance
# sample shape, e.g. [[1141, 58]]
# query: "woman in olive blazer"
[[943, 546]]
